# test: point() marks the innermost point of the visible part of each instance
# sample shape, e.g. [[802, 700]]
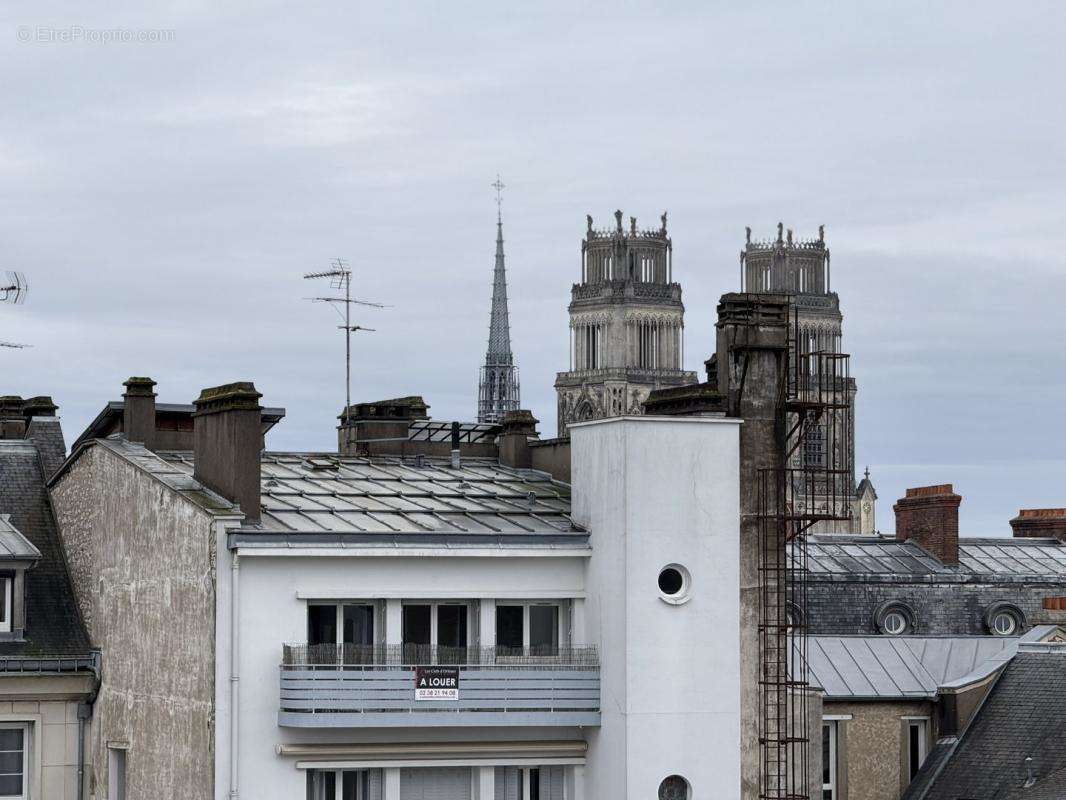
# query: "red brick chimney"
[[1040, 522], [227, 441], [929, 515]]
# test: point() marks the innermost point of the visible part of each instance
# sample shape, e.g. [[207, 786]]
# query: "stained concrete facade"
[[626, 325], [143, 561]]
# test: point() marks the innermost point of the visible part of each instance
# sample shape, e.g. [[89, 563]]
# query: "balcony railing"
[[356, 686]]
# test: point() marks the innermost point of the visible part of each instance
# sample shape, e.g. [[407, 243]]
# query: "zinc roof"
[[318, 493], [877, 555], [13, 545], [905, 667]]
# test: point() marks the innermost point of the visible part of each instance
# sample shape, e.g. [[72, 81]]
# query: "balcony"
[[357, 686]]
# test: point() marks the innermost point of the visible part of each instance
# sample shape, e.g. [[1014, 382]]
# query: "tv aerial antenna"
[[13, 290], [339, 276]]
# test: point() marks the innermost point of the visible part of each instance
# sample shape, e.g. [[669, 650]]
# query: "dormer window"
[[17, 554], [6, 586]]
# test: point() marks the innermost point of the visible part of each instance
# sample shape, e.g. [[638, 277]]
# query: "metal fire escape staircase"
[[812, 485]]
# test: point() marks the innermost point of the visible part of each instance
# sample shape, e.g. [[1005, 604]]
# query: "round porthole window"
[[1005, 619], [674, 584], [1004, 624], [675, 788], [894, 623], [895, 618]]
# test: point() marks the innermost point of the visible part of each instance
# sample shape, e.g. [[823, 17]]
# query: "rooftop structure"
[[498, 390], [626, 324]]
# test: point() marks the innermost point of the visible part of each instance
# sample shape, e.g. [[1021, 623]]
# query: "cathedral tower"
[[626, 325], [801, 269], [498, 384]]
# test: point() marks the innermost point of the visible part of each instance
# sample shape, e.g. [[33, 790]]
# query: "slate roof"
[[53, 624], [842, 556], [1022, 717], [905, 667], [323, 497]]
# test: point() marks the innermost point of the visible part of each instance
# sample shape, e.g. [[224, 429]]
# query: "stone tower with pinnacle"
[[800, 268], [498, 390], [626, 324]]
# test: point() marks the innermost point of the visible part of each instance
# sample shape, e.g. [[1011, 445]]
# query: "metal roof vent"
[[319, 463], [531, 498], [1030, 778], [420, 460]]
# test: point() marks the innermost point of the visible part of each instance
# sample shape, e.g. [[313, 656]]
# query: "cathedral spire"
[[498, 387]]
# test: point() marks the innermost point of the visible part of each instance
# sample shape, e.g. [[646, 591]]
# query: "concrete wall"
[[142, 564], [870, 747], [552, 456], [655, 491], [273, 598]]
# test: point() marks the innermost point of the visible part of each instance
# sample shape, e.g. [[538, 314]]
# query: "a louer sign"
[[436, 683]]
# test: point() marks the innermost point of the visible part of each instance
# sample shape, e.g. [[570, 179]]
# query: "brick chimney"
[[518, 428], [1040, 522], [929, 515], [227, 442], [138, 411]]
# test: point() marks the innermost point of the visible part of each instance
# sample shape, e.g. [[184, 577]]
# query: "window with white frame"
[[528, 627], [341, 632], [436, 631], [344, 784], [6, 584], [14, 747], [917, 743], [829, 760]]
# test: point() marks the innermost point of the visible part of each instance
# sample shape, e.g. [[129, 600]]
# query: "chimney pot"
[[138, 411], [929, 515], [227, 442], [456, 458]]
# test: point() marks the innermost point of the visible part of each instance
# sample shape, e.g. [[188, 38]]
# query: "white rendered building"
[[405, 629]]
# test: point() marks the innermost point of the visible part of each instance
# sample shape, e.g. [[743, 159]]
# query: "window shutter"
[[439, 783], [554, 784], [374, 785], [508, 783]]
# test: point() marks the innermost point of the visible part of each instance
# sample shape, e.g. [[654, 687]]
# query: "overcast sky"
[[165, 197]]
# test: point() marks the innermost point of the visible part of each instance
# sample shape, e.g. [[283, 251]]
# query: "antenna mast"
[[13, 291], [340, 278]]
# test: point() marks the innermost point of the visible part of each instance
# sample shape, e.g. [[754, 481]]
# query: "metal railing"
[[400, 655], [359, 686]]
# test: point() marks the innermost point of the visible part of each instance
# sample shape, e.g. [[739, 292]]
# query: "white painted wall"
[[652, 491], [272, 614]]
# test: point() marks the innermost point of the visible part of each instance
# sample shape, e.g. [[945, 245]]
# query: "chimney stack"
[[929, 515], [138, 411], [457, 460], [518, 427], [227, 441], [379, 428], [1040, 522], [12, 419]]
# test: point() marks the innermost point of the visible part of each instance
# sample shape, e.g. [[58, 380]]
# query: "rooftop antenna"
[[340, 278], [13, 292]]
